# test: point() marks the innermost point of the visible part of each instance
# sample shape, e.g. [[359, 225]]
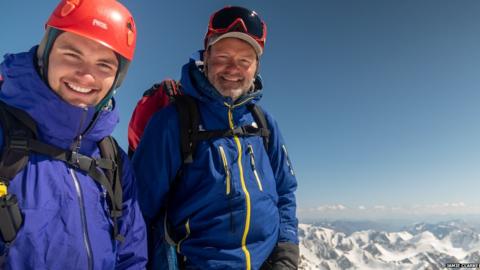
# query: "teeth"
[[231, 79], [79, 89]]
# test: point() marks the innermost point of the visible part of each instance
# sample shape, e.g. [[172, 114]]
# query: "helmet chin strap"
[[44, 49], [123, 64]]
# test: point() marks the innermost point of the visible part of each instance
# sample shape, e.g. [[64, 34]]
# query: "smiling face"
[[231, 64], [81, 71]]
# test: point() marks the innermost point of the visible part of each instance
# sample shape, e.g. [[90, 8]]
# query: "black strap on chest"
[[20, 139], [190, 135], [14, 157]]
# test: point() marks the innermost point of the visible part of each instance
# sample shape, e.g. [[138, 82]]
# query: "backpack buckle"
[[74, 158], [80, 161], [19, 143], [10, 217]]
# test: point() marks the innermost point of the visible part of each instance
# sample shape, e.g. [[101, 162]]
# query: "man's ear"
[[257, 69], [205, 54]]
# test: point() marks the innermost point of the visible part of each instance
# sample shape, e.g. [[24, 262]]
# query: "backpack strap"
[[261, 121], [13, 159], [109, 151], [242, 131], [189, 121], [18, 129], [188, 114]]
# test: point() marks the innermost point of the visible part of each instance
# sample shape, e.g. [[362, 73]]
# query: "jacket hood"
[[58, 122], [196, 84]]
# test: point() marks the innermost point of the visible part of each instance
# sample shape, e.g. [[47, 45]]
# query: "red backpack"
[[154, 99]]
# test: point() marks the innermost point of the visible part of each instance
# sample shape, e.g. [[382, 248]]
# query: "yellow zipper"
[[187, 229], [244, 188], [225, 166], [252, 162]]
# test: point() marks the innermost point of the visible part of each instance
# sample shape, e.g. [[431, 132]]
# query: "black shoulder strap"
[[189, 120], [18, 129], [261, 121], [109, 151], [261, 129]]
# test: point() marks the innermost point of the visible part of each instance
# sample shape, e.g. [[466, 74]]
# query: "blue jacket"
[[65, 212], [235, 201]]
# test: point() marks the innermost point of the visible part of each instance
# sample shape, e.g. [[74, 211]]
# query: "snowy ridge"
[[422, 246]]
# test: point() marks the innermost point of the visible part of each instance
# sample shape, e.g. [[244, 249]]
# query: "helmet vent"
[[69, 6], [130, 33]]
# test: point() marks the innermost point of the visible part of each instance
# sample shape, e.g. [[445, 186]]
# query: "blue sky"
[[378, 100]]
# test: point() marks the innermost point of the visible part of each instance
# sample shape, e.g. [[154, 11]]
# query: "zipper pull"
[[230, 116], [254, 169], [76, 149], [252, 156], [227, 170]]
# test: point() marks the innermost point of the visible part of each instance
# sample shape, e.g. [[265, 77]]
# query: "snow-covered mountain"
[[421, 246]]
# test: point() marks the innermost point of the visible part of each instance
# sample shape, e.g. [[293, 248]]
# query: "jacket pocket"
[[228, 180], [254, 169]]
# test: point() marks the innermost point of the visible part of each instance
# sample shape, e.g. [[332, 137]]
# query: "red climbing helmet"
[[105, 21]]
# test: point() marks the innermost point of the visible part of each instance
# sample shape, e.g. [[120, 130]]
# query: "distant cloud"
[[338, 211], [441, 205], [336, 207], [460, 204]]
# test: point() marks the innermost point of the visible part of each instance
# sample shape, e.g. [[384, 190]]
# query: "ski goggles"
[[237, 19]]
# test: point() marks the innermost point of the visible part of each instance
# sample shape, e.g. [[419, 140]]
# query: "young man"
[[234, 206], [69, 218]]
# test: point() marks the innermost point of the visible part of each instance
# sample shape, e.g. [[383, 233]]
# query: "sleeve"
[[286, 184], [285, 255], [156, 162], [132, 252]]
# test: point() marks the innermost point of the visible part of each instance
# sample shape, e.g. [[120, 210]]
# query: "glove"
[[284, 256]]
